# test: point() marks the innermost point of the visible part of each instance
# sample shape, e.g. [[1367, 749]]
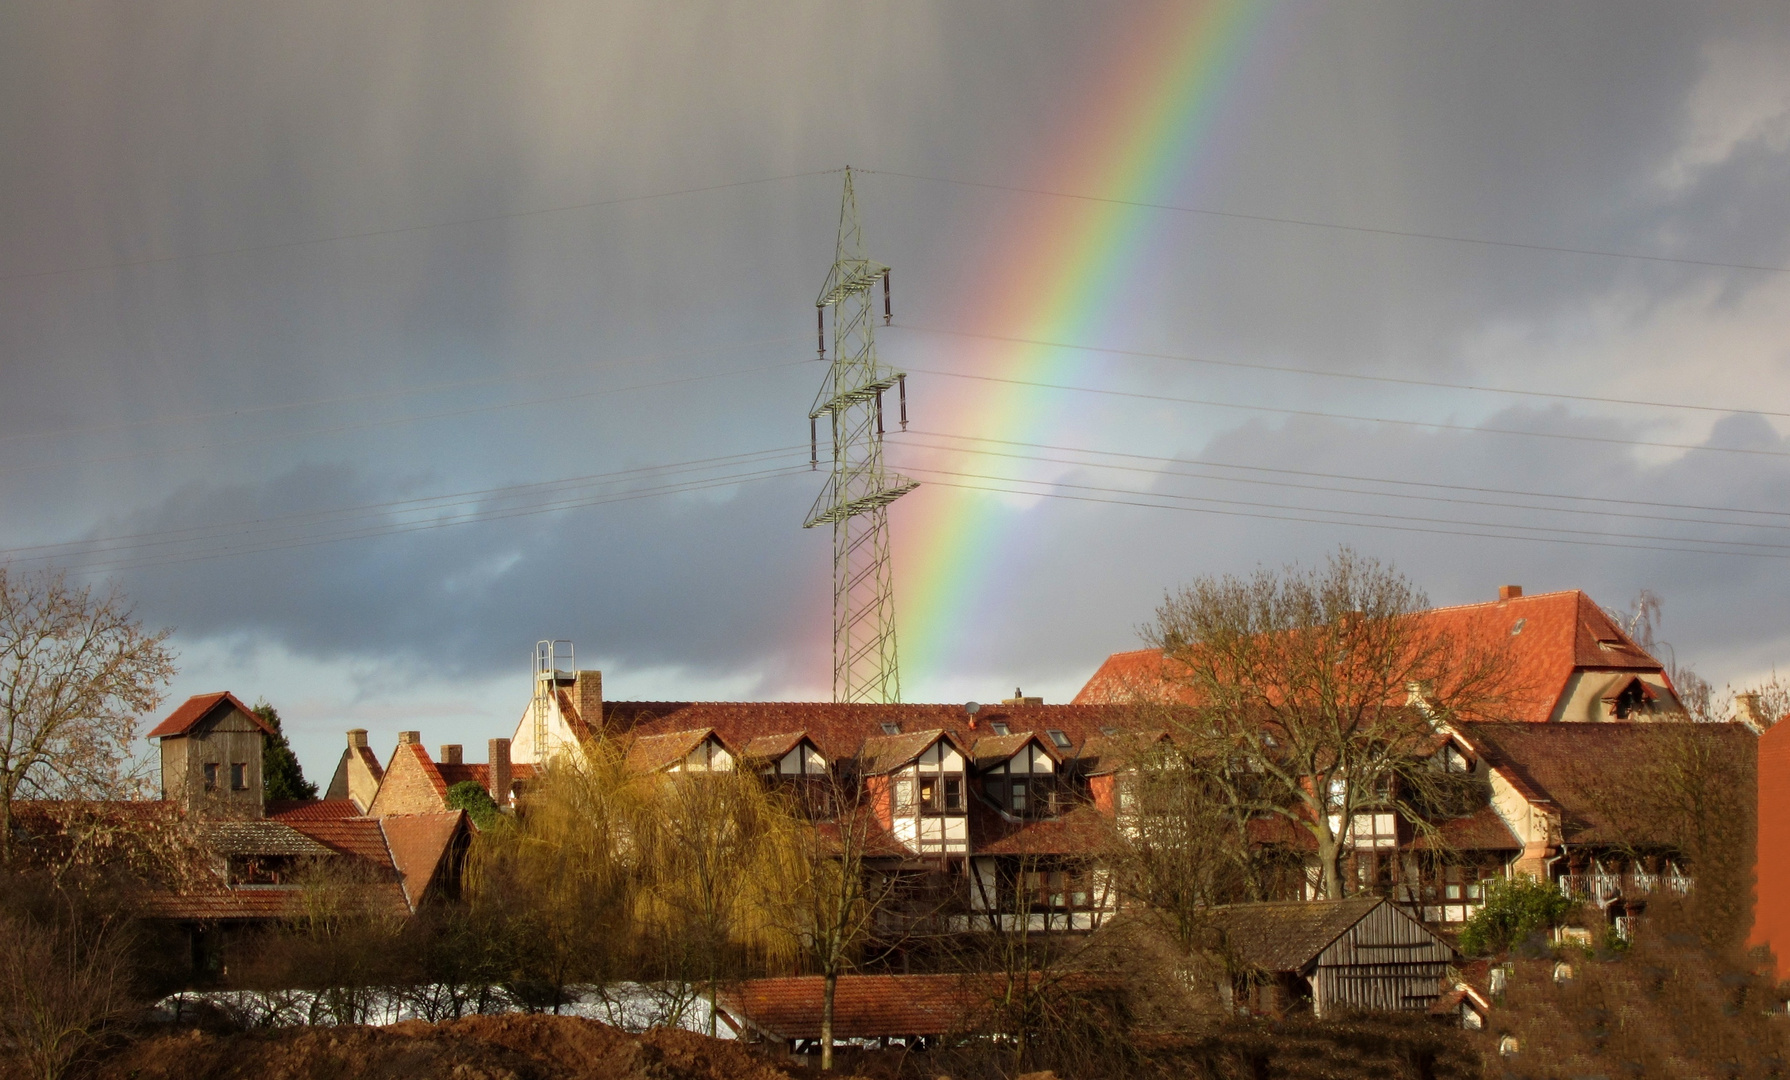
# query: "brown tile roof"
[[1103, 755], [252, 903], [1569, 765], [1286, 935], [772, 747], [1482, 830], [258, 838], [291, 810], [356, 836], [1556, 634], [650, 753], [864, 1006], [885, 753], [990, 750], [419, 843], [1081, 830], [480, 772], [840, 731], [197, 708]]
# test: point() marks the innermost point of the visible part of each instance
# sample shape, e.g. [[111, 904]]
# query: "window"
[[1059, 738], [999, 727], [1454, 761], [239, 776], [953, 794], [890, 727], [1109, 732], [211, 776], [1375, 830], [904, 794]]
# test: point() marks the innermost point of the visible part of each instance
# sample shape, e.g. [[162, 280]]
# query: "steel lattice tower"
[[857, 495]]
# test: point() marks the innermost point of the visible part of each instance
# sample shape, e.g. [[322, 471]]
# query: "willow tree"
[[1314, 695]]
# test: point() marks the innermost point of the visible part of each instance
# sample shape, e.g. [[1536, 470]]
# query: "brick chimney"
[[450, 754], [410, 738], [587, 698], [498, 754], [1509, 592], [357, 738]]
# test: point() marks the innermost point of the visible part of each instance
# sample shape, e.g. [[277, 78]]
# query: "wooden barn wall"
[[1386, 961]]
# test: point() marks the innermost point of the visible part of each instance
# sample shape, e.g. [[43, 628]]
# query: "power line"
[[1347, 416], [378, 395], [427, 503], [1138, 501], [1539, 529], [1376, 479], [1390, 379], [1158, 469], [1315, 224], [400, 229], [396, 420], [528, 510]]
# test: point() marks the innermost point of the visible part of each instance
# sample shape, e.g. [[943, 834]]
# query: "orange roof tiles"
[[1546, 637], [418, 844], [864, 1006], [197, 708], [291, 810]]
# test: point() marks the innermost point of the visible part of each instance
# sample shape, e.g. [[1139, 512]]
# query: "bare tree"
[[61, 984], [830, 900], [1316, 693], [76, 670]]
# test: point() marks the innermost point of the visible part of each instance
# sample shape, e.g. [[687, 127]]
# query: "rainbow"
[[1138, 138]]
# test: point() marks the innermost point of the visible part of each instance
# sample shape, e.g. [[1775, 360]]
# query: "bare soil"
[[509, 1047]]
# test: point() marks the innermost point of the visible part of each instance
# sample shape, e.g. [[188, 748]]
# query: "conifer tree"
[[282, 776]]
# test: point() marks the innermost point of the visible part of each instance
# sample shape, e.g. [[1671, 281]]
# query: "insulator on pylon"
[[901, 385], [888, 312], [820, 329], [813, 444], [879, 412]]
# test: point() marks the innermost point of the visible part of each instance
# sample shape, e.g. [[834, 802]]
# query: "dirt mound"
[[511, 1047]]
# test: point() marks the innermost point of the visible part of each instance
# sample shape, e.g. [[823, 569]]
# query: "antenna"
[[856, 498]]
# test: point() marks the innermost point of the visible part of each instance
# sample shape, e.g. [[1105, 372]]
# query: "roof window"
[[1059, 738], [999, 727], [1109, 732], [890, 727], [1517, 627]]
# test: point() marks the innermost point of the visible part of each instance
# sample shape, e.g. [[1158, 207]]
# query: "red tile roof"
[[1082, 830], [864, 1006], [251, 903], [357, 836], [1565, 764], [650, 753], [291, 810], [480, 772], [1482, 830], [840, 731], [1548, 637], [197, 708], [419, 843]]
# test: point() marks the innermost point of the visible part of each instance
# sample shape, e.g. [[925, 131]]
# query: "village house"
[[263, 855]]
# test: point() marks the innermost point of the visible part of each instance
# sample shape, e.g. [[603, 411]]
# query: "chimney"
[[1019, 698], [587, 698], [498, 754], [450, 754], [357, 738], [1509, 592], [410, 738]]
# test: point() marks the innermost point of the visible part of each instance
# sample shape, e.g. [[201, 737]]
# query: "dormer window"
[[1453, 761], [1061, 740], [999, 727], [1025, 785], [890, 727]]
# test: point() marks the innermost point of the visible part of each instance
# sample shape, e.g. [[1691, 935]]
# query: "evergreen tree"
[[281, 775]]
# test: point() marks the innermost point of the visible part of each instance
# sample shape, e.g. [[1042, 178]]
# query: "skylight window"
[[1109, 732], [1059, 738], [1517, 627], [999, 727], [890, 727]]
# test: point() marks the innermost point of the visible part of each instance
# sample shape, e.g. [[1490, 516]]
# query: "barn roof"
[[197, 708], [1287, 935]]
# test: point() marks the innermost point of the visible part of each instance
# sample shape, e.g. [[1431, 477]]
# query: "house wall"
[[408, 787], [1582, 699], [224, 738], [1533, 825], [1387, 961], [1771, 888]]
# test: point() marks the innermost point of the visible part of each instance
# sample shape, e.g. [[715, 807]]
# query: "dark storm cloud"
[[721, 582]]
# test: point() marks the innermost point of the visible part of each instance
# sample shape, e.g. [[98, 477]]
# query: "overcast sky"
[[270, 274]]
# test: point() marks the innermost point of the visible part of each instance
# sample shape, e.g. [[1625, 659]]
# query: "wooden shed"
[[1328, 955]]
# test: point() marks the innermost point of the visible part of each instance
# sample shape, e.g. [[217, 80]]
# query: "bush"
[[1514, 909], [471, 796]]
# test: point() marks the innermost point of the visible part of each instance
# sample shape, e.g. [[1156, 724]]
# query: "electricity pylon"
[[857, 495]]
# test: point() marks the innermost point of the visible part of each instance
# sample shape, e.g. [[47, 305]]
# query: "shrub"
[[1513, 909], [471, 796]]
